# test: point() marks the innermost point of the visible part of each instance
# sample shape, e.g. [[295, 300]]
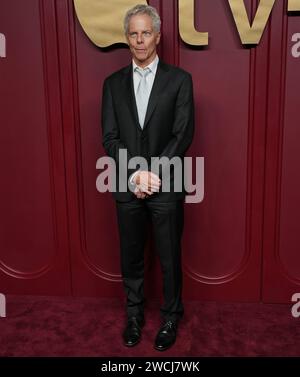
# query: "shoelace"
[[169, 324]]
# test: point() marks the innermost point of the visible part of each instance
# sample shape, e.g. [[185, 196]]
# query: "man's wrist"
[[133, 176]]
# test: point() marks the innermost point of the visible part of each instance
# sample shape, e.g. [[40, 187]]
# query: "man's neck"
[[146, 63]]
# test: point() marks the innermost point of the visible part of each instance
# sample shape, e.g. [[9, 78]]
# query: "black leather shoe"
[[133, 330], [166, 336]]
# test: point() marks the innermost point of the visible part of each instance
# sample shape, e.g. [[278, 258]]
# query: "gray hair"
[[143, 9]]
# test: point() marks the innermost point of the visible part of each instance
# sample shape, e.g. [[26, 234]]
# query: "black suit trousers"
[[167, 221]]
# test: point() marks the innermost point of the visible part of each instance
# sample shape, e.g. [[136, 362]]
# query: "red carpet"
[[58, 326]]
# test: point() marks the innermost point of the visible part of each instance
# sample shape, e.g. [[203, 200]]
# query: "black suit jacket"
[[169, 123]]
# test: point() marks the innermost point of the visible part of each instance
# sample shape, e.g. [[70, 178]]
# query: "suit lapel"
[[160, 81], [129, 95]]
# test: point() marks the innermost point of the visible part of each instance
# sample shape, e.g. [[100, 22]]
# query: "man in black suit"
[[148, 110]]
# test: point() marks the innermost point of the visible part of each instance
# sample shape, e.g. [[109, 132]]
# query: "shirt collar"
[[152, 66]]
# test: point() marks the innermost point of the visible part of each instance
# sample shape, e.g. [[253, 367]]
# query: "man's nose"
[[140, 39]]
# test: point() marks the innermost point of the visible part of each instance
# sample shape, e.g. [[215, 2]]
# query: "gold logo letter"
[[294, 6], [102, 20], [186, 25], [251, 34]]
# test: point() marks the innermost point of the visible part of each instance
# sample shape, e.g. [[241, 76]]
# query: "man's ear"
[[158, 37]]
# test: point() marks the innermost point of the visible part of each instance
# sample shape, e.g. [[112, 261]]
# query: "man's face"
[[142, 39]]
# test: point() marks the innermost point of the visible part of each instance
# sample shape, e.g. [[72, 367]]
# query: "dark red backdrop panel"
[[59, 234], [282, 191], [33, 238]]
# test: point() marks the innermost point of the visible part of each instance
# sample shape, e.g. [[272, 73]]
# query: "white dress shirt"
[[150, 79]]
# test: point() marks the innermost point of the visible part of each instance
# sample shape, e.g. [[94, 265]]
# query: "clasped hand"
[[147, 183]]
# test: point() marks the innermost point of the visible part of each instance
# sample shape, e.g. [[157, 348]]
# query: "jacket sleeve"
[[110, 131], [183, 126]]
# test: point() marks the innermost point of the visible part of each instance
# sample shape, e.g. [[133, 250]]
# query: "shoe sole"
[[166, 348], [131, 344]]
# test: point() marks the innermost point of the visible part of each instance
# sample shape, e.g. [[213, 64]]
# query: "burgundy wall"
[[59, 235]]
